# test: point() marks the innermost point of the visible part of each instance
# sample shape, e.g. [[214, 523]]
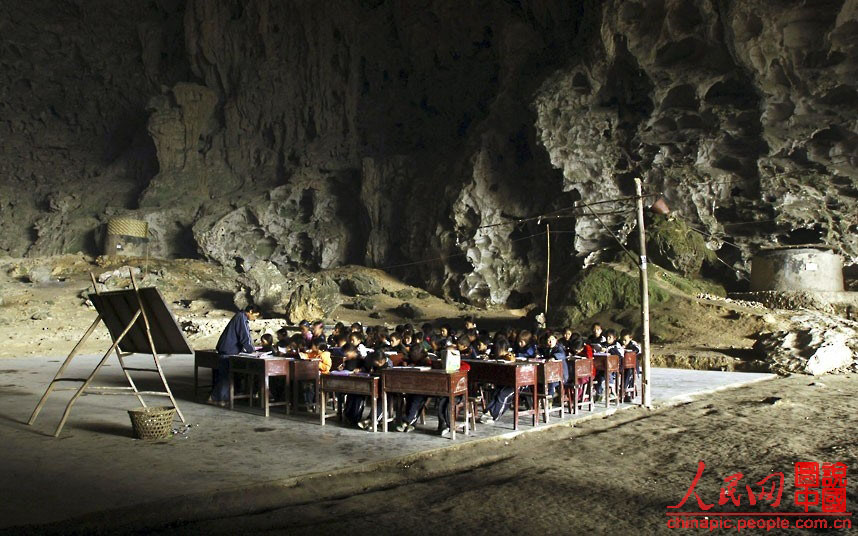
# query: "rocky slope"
[[383, 133]]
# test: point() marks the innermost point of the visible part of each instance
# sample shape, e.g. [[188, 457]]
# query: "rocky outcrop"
[[297, 297], [816, 343], [405, 137]]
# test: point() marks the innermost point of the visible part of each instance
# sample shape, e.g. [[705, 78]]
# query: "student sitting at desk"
[[611, 347], [282, 341], [395, 345], [466, 351], [306, 330], [578, 349], [373, 364], [266, 343], [317, 328], [501, 399], [630, 346], [525, 346], [356, 341], [596, 339], [551, 349], [482, 347], [417, 357], [429, 336], [339, 329], [336, 348]]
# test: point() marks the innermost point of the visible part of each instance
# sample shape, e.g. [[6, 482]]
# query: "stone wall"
[[386, 133]]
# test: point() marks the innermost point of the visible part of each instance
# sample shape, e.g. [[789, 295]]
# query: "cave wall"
[[386, 133]]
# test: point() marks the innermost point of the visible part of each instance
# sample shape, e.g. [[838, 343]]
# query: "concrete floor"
[[96, 465]]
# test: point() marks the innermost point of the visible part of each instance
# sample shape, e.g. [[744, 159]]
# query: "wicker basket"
[[152, 423]]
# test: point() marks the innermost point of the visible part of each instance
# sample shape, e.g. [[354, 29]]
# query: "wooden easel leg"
[[88, 381], [152, 347], [62, 369], [118, 352]]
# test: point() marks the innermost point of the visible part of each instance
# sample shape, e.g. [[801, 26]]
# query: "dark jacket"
[[236, 336]]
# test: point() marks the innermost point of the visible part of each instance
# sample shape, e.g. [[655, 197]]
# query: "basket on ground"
[[152, 423]]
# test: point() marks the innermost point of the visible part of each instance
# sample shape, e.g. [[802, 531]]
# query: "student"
[[501, 399], [282, 341], [267, 343], [472, 335], [551, 349], [481, 348], [420, 340], [578, 349], [466, 351], [235, 339], [470, 323], [356, 327], [356, 341], [429, 336], [525, 346], [318, 329], [630, 346], [413, 403], [501, 349], [351, 358], [596, 339], [395, 345], [566, 339], [613, 347], [306, 331], [339, 329], [373, 364], [336, 348], [444, 334], [318, 350], [628, 343]]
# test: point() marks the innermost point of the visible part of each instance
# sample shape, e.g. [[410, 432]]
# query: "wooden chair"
[[629, 362], [580, 369]]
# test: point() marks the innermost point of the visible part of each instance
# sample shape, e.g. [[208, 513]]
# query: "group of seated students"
[[368, 349]]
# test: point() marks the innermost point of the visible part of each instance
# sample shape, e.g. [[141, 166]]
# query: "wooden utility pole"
[[646, 395], [547, 265]]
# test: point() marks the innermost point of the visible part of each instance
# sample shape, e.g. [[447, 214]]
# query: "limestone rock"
[[815, 343], [359, 285], [265, 286], [408, 310], [313, 300]]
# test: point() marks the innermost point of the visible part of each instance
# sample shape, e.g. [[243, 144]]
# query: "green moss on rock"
[[603, 288], [672, 244]]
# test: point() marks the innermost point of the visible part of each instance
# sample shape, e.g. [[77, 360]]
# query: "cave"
[[528, 166]]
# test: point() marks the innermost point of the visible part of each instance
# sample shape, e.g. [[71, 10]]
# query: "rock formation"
[[392, 134]]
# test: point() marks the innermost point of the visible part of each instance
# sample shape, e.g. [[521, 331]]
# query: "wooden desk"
[[507, 374], [550, 372], [351, 384], [303, 370], [206, 359], [262, 368], [609, 363], [426, 382]]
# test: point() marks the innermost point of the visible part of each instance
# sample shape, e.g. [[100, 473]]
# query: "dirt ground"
[[600, 476]]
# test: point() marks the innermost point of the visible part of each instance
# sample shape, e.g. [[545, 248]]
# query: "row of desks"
[[406, 380]]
